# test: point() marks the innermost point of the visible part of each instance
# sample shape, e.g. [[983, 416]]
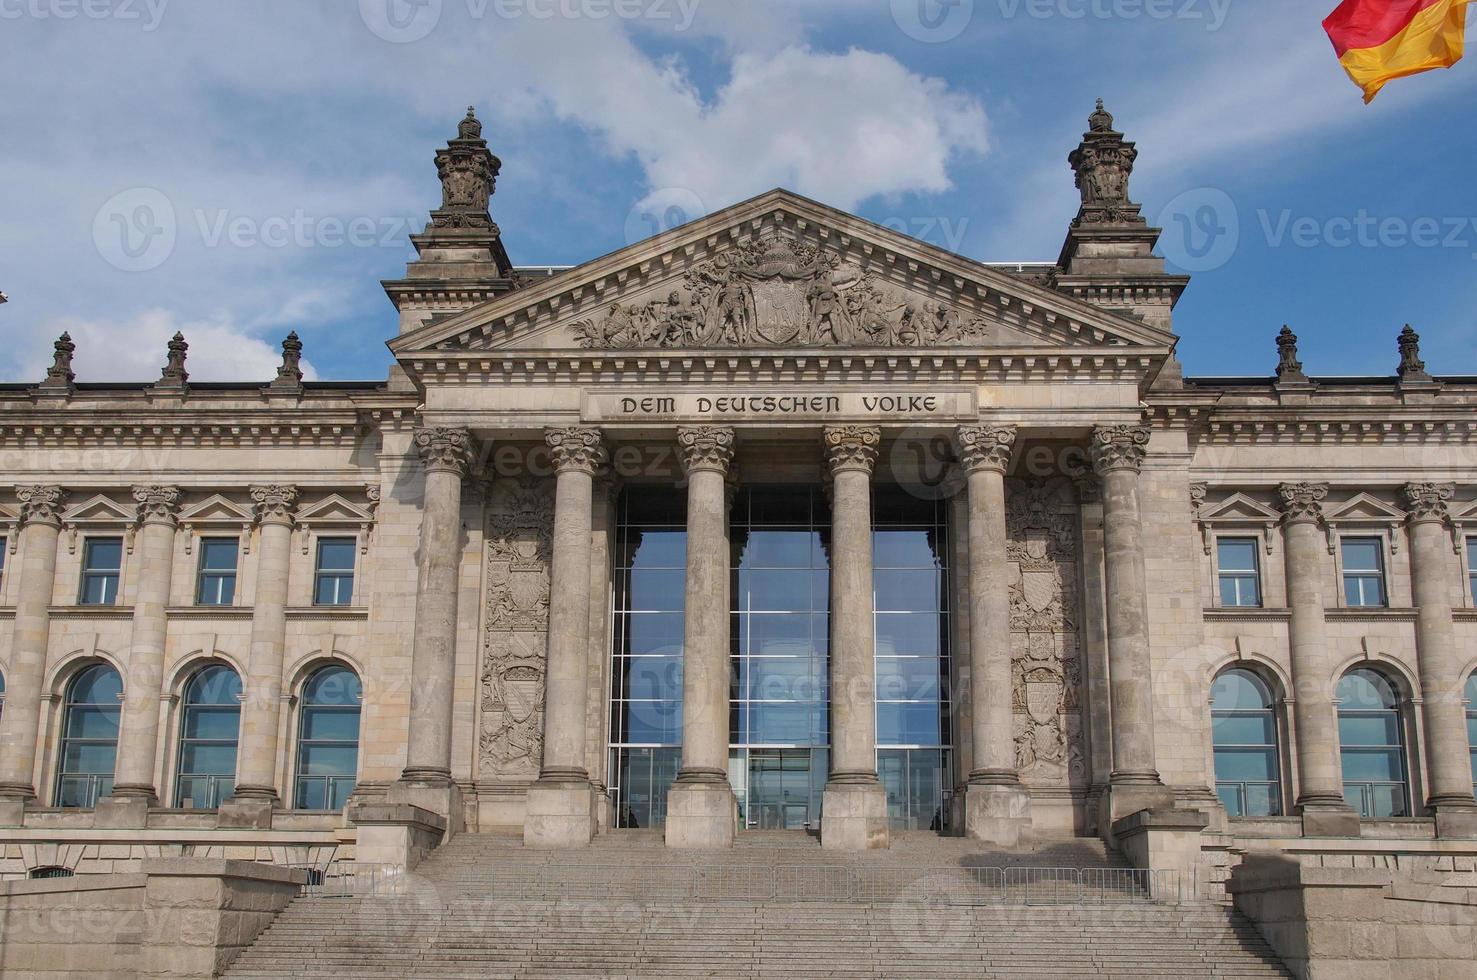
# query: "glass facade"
[[1372, 745], [89, 737], [1243, 728], [910, 596], [209, 730], [328, 740]]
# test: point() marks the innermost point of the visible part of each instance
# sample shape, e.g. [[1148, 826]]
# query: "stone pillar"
[[561, 803], [1433, 574], [996, 806], [446, 455], [962, 678], [1320, 789], [41, 521], [701, 809], [138, 743], [854, 806], [1117, 453], [261, 697]]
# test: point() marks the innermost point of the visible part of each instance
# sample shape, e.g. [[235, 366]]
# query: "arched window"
[[1372, 745], [1243, 730], [2, 675], [1472, 724], [50, 871], [89, 736], [328, 740], [209, 729]]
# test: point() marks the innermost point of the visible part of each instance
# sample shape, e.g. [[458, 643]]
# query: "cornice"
[[52, 427]]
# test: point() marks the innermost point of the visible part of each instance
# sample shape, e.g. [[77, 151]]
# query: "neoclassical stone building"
[[777, 520]]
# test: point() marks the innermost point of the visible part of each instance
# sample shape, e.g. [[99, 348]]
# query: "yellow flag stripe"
[[1433, 39]]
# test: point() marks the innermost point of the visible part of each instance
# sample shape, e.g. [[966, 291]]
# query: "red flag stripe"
[[1370, 23]]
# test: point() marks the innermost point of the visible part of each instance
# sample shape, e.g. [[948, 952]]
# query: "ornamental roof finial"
[[1289, 368], [1412, 368]]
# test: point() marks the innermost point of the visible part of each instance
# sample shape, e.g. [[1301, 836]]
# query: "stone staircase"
[[777, 905]]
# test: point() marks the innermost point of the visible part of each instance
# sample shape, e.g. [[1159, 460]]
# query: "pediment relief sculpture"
[[778, 292]]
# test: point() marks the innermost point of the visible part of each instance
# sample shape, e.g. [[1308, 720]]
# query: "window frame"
[[1256, 574], [319, 573], [202, 572], [300, 742], [181, 739], [1274, 709], [1382, 551], [1403, 732], [86, 573], [96, 780]]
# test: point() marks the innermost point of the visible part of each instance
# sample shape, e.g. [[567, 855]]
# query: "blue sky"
[[288, 147]]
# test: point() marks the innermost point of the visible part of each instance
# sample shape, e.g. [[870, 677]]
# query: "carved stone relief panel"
[[520, 529], [1042, 550]]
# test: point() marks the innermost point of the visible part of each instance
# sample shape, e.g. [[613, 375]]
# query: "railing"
[[344, 879]]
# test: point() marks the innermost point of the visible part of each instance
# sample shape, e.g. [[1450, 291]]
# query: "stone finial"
[[1412, 368], [174, 374], [157, 504], [274, 503], [984, 447], [1289, 368], [1118, 447], [1426, 502], [852, 447], [59, 376], [705, 447], [576, 448], [1302, 502], [41, 504], [468, 172], [1103, 163], [290, 373], [445, 448]]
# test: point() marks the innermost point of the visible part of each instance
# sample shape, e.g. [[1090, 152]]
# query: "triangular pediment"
[[1240, 507], [334, 509], [782, 272], [1464, 512], [97, 509], [1364, 507], [216, 509]]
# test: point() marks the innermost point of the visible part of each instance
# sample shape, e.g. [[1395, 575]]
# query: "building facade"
[[776, 520]]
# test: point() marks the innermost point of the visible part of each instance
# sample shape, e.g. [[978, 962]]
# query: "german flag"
[[1380, 40]]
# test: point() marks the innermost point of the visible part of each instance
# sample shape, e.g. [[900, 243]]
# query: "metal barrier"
[[344, 879]]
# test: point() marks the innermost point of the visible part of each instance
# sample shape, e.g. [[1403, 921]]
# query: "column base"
[[1455, 821], [122, 812], [701, 814], [854, 817], [12, 812], [435, 793], [997, 813], [1125, 795], [1328, 819], [560, 813], [245, 813]]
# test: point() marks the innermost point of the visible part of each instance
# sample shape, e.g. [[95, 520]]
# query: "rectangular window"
[[1471, 567], [102, 563], [3, 549], [1239, 575], [217, 584], [333, 579], [1364, 571]]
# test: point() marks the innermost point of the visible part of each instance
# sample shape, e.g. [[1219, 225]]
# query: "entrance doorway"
[[784, 789]]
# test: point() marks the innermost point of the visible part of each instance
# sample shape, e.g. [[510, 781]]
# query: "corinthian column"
[[854, 807], [446, 455], [41, 521], [561, 803], [996, 807], [261, 696], [1117, 453], [158, 512], [1320, 792], [1433, 573], [701, 810]]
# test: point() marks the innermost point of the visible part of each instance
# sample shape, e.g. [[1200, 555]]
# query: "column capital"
[[41, 504], [984, 447], [274, 503], [705, 447], [1426, 502], [576, 448], [1302, 503], [157, 504], [444, 448], [852, 447], [1118, 447]]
